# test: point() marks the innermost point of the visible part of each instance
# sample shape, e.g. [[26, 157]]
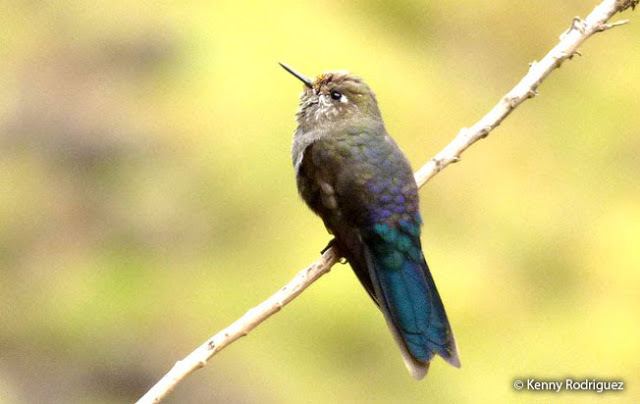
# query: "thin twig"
[[580, 31]]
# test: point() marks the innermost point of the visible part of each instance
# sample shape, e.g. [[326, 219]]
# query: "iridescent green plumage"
[[354, 176]]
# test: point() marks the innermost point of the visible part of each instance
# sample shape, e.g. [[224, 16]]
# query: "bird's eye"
[[336, 95]]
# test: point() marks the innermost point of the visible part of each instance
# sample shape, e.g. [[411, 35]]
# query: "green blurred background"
[[147, 199]]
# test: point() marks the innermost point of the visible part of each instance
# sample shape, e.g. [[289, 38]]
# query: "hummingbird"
[[353, 175]]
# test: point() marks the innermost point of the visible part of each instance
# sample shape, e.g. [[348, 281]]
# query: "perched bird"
[[353, 175]]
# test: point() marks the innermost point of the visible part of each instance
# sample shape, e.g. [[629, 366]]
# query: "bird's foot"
[[331, 243]]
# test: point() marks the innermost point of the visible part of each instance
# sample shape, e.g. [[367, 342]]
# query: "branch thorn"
[[606, 26]]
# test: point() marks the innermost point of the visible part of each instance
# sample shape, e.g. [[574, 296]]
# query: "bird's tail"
[[407, 295]]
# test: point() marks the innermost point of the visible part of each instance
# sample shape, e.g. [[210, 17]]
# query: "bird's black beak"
[[299, 76]]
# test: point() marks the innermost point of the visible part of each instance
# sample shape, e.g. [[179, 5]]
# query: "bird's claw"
[[329, 245]]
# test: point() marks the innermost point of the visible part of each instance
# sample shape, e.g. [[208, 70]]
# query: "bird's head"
[[334, 97]]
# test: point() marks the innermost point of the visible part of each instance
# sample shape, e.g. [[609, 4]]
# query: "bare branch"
[[570, 40], [580, 31]]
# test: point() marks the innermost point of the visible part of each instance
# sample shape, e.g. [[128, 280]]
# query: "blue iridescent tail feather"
[[407, 295]]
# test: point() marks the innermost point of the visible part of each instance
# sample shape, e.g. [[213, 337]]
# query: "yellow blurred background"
[[147, 199]]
